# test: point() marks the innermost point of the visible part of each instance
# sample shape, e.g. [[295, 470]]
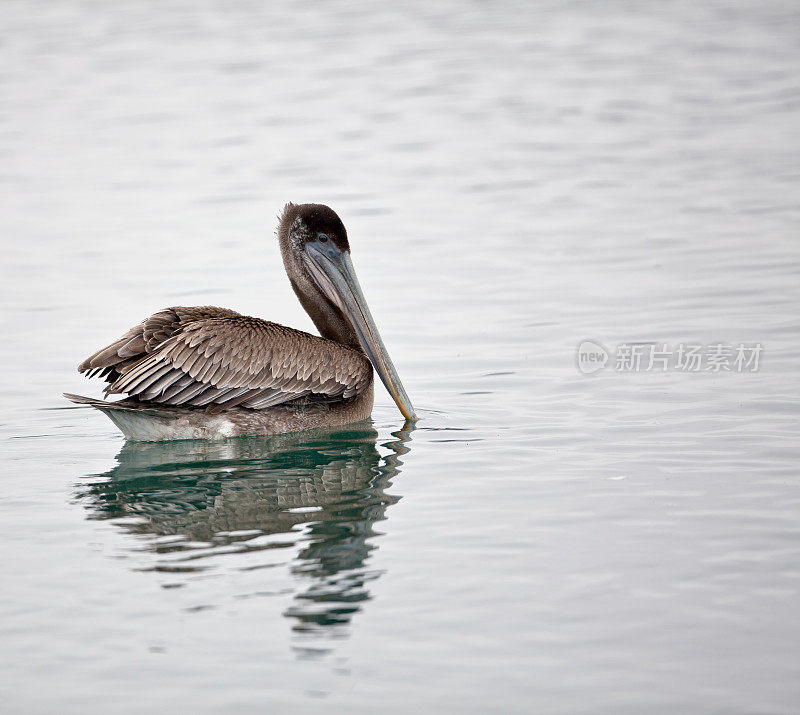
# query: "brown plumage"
[[183, 366], [217, 358]]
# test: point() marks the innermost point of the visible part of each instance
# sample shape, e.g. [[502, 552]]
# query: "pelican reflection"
[[244, 502]]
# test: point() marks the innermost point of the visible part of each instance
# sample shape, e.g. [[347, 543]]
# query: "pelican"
[[210, 373]]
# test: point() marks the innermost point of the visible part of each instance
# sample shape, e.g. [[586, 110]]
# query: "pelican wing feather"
[[218, 358]]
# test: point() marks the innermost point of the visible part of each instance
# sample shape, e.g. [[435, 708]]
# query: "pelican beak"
[[333, 272]]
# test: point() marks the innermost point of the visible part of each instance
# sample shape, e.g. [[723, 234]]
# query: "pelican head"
[[316, 255]]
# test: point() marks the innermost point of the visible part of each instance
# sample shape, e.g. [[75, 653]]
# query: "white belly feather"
[[143, 427]]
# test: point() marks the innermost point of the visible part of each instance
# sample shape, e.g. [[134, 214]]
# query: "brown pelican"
[[208, 373]]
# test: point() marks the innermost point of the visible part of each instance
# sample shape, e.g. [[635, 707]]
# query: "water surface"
[[515, 179]]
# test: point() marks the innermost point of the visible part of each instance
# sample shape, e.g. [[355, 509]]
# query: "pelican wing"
[[207, 356]]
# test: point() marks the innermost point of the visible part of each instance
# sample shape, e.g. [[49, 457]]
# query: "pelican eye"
[[322, 238]]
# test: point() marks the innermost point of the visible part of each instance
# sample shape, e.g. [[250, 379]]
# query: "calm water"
[[515, 179]]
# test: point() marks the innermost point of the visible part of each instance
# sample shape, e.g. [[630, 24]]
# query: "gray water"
[[515, 179]]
